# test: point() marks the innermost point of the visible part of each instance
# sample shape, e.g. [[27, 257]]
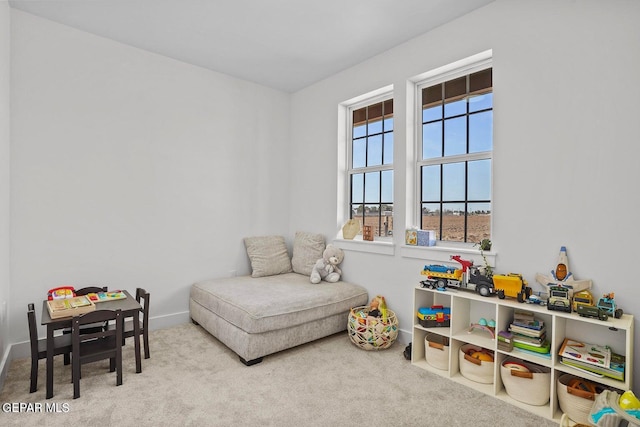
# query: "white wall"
[[131, 169], [565, 143], [4, 179]]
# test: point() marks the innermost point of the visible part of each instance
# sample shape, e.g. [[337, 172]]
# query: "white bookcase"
[[468, 307]]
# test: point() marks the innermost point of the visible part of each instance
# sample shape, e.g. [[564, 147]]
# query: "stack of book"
[[593, 358], [529, 333]]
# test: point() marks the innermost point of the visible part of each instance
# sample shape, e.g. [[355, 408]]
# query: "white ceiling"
[[283, 44]]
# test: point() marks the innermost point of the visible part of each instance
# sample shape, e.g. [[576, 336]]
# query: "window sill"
[[444, 253], [359, 245]]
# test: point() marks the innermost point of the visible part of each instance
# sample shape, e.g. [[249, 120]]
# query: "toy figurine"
[[608, 304], [484, 325], [562, 276], [378, 307]]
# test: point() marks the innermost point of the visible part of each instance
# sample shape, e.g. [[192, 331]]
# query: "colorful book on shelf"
[[546, 355], [527, 319], [593, 354], [106, 296], [527, 331], [534, 324], [615, 370], [535, 341], [545, 347], [525, 316]]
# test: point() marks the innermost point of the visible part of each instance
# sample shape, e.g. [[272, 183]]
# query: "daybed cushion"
[[268, 255], [307, 250], [276, 302]]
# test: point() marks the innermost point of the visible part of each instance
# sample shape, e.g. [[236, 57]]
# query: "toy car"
[[438, 268], [608, 304], [535, 299], [582, 298], [592, 311], [559, 299]]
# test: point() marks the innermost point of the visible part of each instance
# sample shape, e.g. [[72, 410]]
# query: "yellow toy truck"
[[511, 285], [582, 298]]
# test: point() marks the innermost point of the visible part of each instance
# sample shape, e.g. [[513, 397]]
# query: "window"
[[455, 154], [370, 165]]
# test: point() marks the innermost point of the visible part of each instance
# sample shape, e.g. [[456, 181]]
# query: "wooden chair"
[[88, 328], [100, 345], [91, 290], [142, 297], [61, 345]]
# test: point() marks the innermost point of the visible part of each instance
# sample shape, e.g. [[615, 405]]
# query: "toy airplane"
[[562, 276]]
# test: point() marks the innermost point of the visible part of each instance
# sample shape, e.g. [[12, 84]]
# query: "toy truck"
[[582, 298], [467, 277], [559, 299], [608, 304], [585, 310], [511, 285]]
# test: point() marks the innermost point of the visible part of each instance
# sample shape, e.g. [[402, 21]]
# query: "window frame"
[[441, 75], [345, 163]]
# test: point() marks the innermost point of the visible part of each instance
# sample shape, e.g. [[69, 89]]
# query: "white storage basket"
[[526, 382], [436, 351], [477, 370], [575, 403]]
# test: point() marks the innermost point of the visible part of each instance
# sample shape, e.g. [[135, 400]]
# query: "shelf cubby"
[[468, 308]]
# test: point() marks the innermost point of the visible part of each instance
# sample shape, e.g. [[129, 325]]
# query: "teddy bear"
[[326, 268]]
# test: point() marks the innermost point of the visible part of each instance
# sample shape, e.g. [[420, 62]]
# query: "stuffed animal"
[[378, 307], [326, 268]]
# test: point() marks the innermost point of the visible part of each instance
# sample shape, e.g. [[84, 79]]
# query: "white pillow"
[[268, 255], [307, 249]]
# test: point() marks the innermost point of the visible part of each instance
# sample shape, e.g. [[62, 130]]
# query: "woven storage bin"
[[532, 387], [372, 333], [473, 369], [436, 351], [576, 404]]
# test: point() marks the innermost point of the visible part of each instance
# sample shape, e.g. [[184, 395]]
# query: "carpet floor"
[[192, 379]]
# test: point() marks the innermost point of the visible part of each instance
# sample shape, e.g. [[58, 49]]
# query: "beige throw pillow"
[[268, 255], [307, 249]]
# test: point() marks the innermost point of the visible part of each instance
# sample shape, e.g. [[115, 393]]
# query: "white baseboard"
[[4, 365], [404, 337]]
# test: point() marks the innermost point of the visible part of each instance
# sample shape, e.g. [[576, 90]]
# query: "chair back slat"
[[145, 316], [94, 317], [142, 297], [33, 329], [91, 290]]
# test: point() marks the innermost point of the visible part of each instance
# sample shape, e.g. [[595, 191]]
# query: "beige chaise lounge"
[[262, 314]]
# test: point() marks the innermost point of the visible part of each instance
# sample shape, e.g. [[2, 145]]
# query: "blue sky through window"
[[456, 156]]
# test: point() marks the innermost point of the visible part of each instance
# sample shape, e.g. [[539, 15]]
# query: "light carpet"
[[192, 379]]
